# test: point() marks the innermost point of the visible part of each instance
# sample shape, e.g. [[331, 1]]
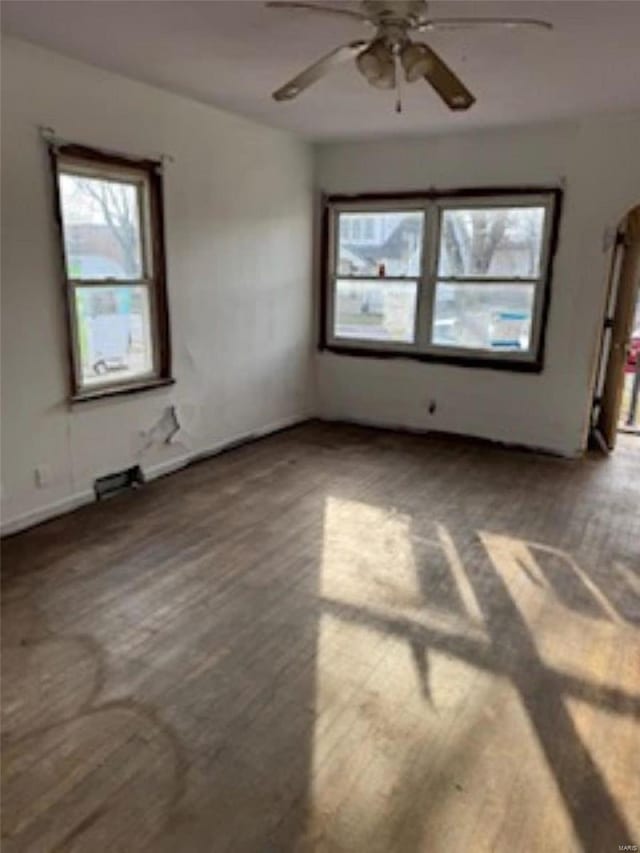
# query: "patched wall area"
[[238, 210]]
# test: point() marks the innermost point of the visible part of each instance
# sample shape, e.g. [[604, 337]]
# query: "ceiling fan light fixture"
[[386, 80], [377, 66], [415, 61]]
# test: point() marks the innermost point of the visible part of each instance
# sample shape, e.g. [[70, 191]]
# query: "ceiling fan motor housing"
[[394, 20], [380, 58], [409, 13]]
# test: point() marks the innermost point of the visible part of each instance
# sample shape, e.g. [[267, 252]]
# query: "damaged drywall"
[[165, 431], [179, 425], [192, 427]]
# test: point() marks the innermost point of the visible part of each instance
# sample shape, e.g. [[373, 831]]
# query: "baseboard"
[[252, 435], [46, 512], [391, 427], [170, 466], [152, 472]]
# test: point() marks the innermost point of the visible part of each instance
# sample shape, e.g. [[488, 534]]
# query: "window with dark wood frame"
[[460, 277], [110, 225]]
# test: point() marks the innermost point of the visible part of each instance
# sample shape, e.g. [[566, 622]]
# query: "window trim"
[[153, 265], [433, 202]]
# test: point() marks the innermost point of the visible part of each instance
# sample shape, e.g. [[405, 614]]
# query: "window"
[[462, 278], [110, 216]]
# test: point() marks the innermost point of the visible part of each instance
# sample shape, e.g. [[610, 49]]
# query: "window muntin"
[[485, 302], [111, 235]]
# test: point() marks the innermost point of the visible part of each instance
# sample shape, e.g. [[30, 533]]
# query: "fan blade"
[[450, 88], [318, 69], [469, 23], [312, 7]]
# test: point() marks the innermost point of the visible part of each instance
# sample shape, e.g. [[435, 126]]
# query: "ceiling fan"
[[377, 58]]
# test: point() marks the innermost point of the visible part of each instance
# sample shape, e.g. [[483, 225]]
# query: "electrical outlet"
[[43, 476]]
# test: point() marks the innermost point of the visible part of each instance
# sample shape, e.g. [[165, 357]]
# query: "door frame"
[[622, 290]]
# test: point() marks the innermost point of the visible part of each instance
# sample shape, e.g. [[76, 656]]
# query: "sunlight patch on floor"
[[403, 730], [596, 727], [368, 556], [569, 641]]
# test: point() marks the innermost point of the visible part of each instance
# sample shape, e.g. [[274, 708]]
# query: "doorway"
[[616, 406]]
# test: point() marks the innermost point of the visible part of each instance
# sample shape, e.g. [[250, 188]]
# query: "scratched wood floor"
[[333, 639]]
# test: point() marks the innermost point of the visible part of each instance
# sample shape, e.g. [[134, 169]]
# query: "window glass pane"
[[101, 224], [495, 317], [500, 242], [375, 310], [380, 243], [113, 331]]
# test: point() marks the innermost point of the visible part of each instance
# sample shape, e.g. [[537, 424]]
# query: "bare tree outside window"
[[473, 269], [118, 321], [495, 242], [118, 205], [102, 227], [470, 243], [476, 246]]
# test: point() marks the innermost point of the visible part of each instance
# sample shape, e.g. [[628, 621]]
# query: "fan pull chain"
[[398, 92]]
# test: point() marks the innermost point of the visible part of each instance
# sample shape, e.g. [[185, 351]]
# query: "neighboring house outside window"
[[442, 278], [110, 213]]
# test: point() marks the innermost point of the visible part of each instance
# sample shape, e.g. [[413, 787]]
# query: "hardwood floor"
[[334, 639]]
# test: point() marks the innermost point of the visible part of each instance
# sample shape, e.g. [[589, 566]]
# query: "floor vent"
[[120, 481]]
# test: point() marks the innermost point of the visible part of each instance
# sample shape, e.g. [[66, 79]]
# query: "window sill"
[[122, 390], [486, 362]]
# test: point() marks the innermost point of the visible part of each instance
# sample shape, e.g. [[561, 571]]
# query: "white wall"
[[598, 161], [238, 202], [238, 229]]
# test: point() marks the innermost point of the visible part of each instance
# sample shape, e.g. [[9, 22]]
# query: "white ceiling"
[[233, 54]]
